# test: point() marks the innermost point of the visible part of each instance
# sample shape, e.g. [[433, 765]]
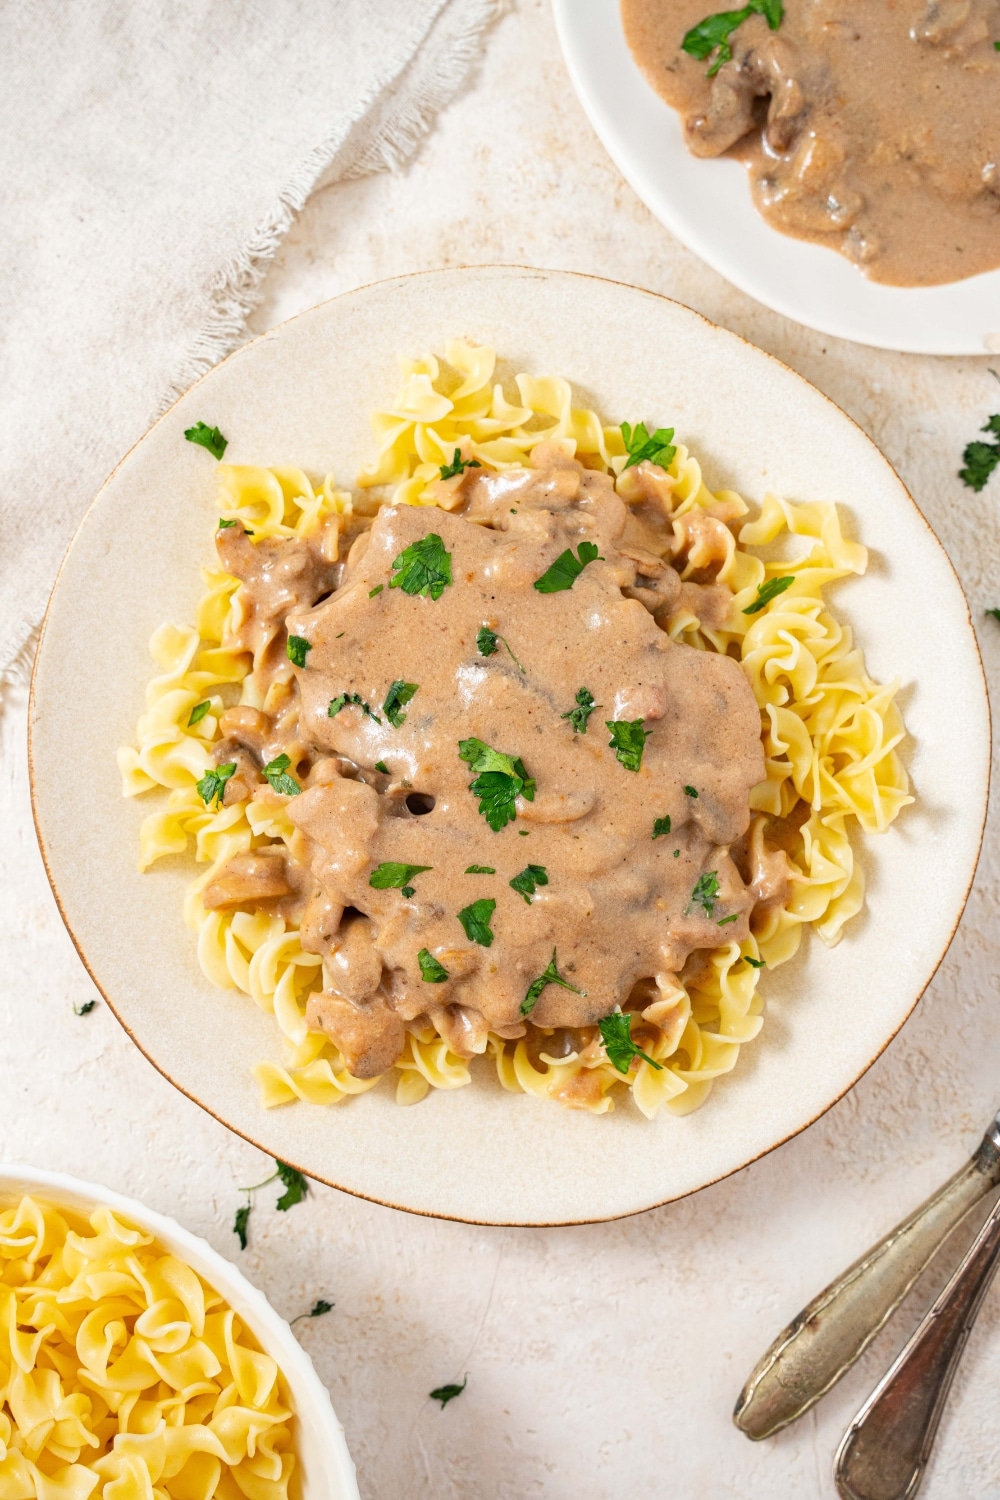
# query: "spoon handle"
[[822, 1343], [885, 1450]]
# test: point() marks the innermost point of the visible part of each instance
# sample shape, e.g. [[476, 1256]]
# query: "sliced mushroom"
[[248, 879], [370, 1036]]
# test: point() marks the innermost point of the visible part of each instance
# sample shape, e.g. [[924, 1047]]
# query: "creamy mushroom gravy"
[[870, 127], [617, 907]]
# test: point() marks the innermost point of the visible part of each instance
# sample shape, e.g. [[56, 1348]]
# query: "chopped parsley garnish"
[[212, 785], [716, 30], [486, 644], [85, 1008], [276, 772], [343, 700], [380, 765], [530, 877], [566, 569], [689, 791], [376, 590], [458, 465], [655, 449], [296, 1187], [446, 1393], [391, 875], [550, 976], [585, 706], [501, 779], [476, 921], [755, 963], [616, 1034], [224, 525], [979, 458], [706, 892], [316, 1311], [297, 649], [661, 826], [431, 972], [726, 920], [207, 437], [627, 741], [768, 591], [201, 709], [423, 568], [480, 870], [399, 694]]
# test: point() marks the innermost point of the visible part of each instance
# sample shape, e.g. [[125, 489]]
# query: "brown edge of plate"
[[542, 273]]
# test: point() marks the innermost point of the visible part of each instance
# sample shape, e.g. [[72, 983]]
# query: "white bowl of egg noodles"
[[161, 1364], [527, 728]]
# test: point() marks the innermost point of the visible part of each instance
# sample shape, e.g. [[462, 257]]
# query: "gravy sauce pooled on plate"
[[456, 727], [869, 126]]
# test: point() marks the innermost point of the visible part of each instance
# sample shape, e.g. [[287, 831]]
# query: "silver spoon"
[[885, 1450], [823, 1342]]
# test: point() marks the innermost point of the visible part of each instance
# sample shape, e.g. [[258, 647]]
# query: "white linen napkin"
[[152, 155]]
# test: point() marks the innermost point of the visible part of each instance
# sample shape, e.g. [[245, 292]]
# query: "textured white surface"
[[603, 1361]]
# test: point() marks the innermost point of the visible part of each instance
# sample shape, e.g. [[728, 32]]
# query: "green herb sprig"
[[458, 465], [530, 878], [715, 31], [85, 1008], [980, 459], [475, 919], [579, 715], [643, 447], [392, 875], [297, 649], [706, 892], [198, 712], [207, 437], [486, 645], [424, 567], [627, 740], [316, 1311], [768, 591], [296, 1186], [566, 569], [550, 975], [500, 780], [431, 972], [213, 784], [344, 700], [276, 772], [616, 1034], [399, 694], [661, 826], [446, 1393]]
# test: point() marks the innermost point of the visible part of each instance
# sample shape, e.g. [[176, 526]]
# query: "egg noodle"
[[830, 737], [123, 1375]]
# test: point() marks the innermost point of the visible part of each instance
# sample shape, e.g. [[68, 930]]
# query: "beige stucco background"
[[602, 1361]]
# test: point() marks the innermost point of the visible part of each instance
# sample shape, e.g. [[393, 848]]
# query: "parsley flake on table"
[[689, 791], [424, 567], [714, 31], [345, 700], [316, 1311], [212, 785], [458, 465], [431, 972], [85, 1008], [579, 715], [476, 921], [529, 879], [398, 695], [446, 1393], [276, 772], [479, 870], [207, 437], [391, 875], [768, 591], [641, 447], [296, 649], [296, 1187], [486, 645], [616, 1034], [500, 780], [706, 891], [201, 709], [566, 569], [627, 741], [979, 458], [755, 963], [241, 1224], [551, 975], [994, 612], [661, 826]]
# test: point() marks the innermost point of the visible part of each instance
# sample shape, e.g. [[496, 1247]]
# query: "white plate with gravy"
[[302, 394], [707, 204]]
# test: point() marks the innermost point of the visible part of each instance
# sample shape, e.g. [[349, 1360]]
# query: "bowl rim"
[[295, 1363], [515, 269]]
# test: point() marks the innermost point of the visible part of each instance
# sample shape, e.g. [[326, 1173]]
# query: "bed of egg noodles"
[[123, 1375], [830, 737]]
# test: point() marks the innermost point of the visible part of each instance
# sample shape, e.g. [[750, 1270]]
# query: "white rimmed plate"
[[326, 1469], [302, 395], [707, 205]]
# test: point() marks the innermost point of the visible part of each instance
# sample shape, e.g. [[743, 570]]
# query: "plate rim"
[[243, 1133], [568, 28]]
